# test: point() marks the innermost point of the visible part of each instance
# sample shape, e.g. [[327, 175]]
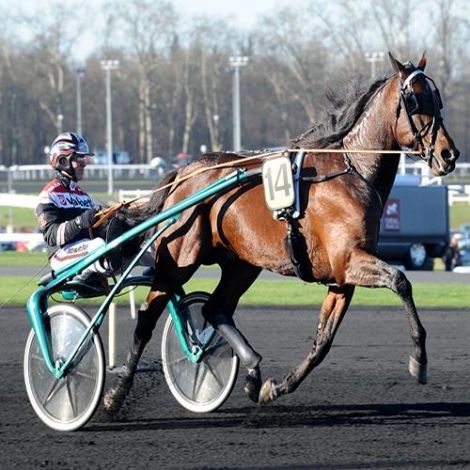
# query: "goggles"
[[82, 160]]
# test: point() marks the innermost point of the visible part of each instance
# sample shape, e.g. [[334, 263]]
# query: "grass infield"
[[15, 291]]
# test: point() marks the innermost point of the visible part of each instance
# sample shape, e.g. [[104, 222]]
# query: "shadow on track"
[[268, 417]]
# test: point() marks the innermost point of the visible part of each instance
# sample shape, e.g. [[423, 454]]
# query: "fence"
[[9, 175], [458, 193], [152, 172]]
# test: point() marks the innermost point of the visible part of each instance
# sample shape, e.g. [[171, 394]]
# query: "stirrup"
[[87, 285]]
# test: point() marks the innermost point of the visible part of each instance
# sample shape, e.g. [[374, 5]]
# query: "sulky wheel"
[[203, 386], [65, 404]]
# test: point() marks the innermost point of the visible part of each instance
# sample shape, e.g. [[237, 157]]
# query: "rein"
[[110, 211]]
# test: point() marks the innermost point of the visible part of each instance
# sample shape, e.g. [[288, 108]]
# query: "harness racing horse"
[[333, 238]]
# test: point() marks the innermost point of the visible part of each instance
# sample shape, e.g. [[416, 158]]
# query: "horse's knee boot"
[[226, 327], [134, 356], [146, 322]]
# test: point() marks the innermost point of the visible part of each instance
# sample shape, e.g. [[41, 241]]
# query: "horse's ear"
[[397, 66], [422, 62]]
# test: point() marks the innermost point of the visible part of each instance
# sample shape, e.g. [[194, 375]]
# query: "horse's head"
[[419, 120]]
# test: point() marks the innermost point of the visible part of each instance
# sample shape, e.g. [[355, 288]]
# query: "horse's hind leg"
[[237, 277], [332, 312], [148, 315]]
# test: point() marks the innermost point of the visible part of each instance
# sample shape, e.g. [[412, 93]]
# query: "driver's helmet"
[[66, 146]]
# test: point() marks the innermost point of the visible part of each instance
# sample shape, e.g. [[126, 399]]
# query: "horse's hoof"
[[113, 400], [418, 370], [252, 385], [268, 391]]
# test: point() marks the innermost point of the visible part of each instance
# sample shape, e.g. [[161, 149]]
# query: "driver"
[[66, 213]]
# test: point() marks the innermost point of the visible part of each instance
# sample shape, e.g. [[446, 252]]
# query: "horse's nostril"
[[450, 155]]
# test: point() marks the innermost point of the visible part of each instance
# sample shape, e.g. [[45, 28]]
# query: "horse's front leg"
[[148, 315], [368, 271], [332, 312], [418, 359]]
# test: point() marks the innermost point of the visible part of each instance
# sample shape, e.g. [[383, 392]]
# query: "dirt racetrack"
[[360, 409]]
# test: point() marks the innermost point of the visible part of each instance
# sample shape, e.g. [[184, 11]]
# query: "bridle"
[[413, 103]]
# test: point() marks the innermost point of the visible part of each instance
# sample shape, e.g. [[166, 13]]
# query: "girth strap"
[[298, 251]]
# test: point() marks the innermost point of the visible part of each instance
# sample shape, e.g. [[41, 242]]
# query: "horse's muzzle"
[[443, 162]]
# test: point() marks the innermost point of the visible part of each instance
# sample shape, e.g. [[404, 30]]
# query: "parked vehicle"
[[181, 160], [119, 157], [7, 246], [415, 225], [159, 168], [462, 262]]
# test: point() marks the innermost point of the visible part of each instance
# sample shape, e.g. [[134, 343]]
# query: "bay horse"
[[342, 191]]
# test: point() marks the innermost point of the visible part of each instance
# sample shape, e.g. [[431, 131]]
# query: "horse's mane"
[[334, 122], [346, 104]]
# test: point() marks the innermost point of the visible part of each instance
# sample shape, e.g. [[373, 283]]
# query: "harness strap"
[[297, 251], [297, 168], [410, 78], [426, 153], [418, 138], [349, 170], [301, 263]]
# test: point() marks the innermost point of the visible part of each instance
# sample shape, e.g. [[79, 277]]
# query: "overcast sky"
[[243, 12]]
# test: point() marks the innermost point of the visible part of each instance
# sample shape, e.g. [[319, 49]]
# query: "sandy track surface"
[[360, 409]]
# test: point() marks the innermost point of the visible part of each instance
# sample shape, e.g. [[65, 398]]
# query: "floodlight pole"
[[80, 74], [107, 66], [373, 58], [236, 63]]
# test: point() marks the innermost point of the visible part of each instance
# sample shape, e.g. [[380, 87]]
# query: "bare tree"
[[41, 73], [451, 34], [212, 43], [295, 65], [148, 26], [173, 92]]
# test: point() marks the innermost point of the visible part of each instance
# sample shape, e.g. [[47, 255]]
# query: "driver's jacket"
[[60, 202]]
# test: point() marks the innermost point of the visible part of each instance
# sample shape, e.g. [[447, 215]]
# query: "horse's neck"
[[374, 131]]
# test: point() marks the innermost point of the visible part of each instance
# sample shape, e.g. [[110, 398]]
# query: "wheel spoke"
[[177, 360], [211, 373], [71, 396], [37, 357], [219, 346], [56, 387], [84, 375]]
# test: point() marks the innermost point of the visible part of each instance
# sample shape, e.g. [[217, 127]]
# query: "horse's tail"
[[155, 205], [133, 216]]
